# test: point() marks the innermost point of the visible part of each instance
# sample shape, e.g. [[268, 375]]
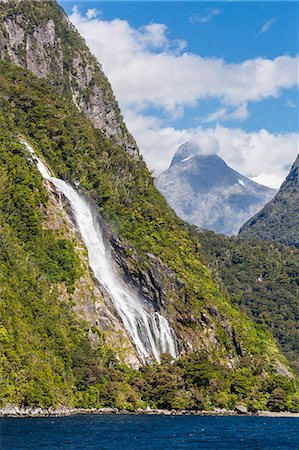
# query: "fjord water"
[[145, 432], [150, 332]]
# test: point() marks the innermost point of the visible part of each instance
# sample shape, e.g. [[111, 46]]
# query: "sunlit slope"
[[150, 232]]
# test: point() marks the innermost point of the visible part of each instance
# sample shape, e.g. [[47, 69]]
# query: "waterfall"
[[150, 333]]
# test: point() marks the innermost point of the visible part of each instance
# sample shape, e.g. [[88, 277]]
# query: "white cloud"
[[170, 77], [239, 113], [92, 13], [206, 17], [147, 69], [154, 35], [267, 25], [255, 154], [219, 114], [268, 179]]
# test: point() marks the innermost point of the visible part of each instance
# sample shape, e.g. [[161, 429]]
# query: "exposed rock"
[[214, 311], [162, 291], [150, 281], [220, 411], [237, 344], [227, 328], [13, 411], [205, 318], [206, 192], [241, 409], [90, 301], [28, 411], [53, 49], [281, 369]]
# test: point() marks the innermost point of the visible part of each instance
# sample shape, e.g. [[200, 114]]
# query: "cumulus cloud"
[[154, 35], [260, 155], [147, 69], [92, 13]]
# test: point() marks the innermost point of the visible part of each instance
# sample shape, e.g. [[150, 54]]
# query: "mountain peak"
[[206, 192], [189, 150]]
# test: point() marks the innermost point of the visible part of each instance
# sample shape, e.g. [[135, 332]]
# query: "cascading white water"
[[151, 333]]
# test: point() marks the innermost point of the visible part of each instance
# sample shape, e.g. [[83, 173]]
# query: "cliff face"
[[39, 37], [153, 249], [279, 219], [88, 299]]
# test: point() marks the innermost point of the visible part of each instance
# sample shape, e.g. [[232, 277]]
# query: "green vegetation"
[[47, 357], [263, 279], [279, 219], [22, 196], [45, 350], [64, 59], [192, 383]]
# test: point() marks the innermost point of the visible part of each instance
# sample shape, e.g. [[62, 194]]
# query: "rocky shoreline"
[[15, 411]]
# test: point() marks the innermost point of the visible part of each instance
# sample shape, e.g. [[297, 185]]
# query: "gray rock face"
[[204, 191], [50, 47], [89, 299], [279, 219], [241, 409], [165, 293]]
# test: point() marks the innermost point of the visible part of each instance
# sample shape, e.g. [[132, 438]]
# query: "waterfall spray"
[[150, 333]]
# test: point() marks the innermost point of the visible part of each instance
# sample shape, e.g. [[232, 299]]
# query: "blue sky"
[[161, 43]]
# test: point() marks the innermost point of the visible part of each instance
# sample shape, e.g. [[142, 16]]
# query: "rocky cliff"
[[39, 37], [88, 298], [154, 250], [279, 219]]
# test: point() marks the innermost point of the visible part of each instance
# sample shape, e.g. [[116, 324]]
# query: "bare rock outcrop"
[[50, 47]]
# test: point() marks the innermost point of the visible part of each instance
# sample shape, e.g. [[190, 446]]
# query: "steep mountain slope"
[[39, 37], [153, 250], [279, 219], [153, 246], [263, 279], [175, 280], [46, 351], [205, 192]]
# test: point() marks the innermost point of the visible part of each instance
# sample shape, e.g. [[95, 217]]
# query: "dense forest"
[[278, 220], [47, 357], [262, 278], [52, 356]]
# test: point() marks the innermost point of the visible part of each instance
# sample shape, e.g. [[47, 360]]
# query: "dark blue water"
[[150, 432]]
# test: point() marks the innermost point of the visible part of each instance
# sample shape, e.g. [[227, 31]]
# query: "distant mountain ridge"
[[279, 219], [205, 191]]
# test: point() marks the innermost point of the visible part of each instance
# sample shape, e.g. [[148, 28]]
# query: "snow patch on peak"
[[242, 183], [187, 159]]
